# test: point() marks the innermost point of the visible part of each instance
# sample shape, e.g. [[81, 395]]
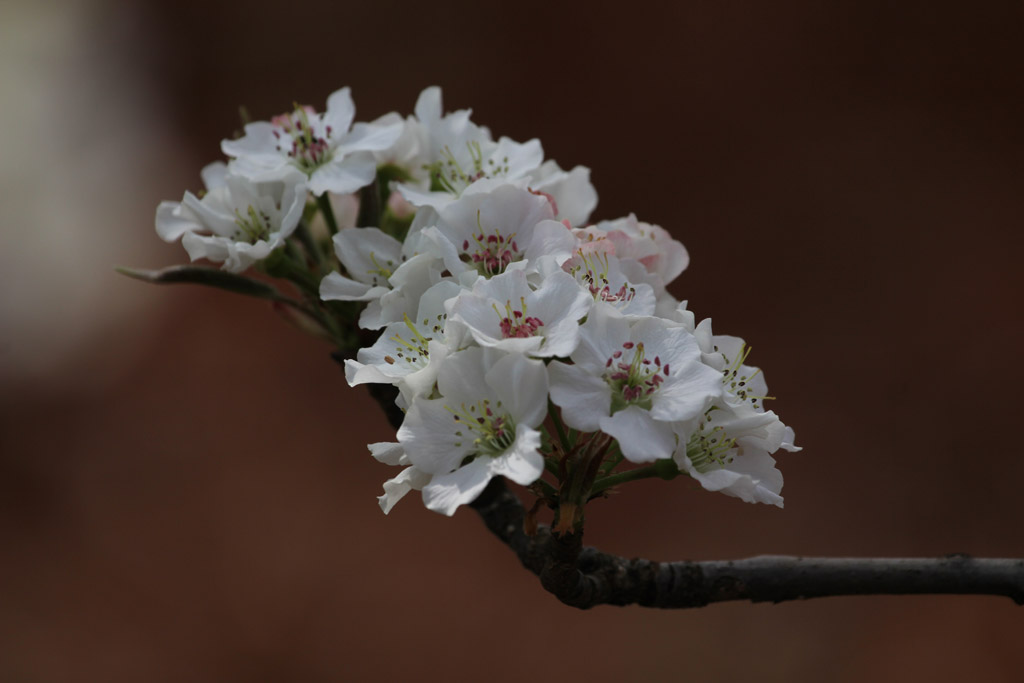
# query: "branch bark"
[[586, 577]]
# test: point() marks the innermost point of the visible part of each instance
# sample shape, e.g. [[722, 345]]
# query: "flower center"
[[301, 140], [448, 175], [493, 431], [709, 449], [490, 253], [415, 350], [253, 226], [380, 272], [635, 382], [516, 324], [593, 274], [737, 381]]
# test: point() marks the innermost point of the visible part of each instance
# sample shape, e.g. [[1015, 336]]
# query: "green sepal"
[[277, 264], [388, 172], [667, 468]]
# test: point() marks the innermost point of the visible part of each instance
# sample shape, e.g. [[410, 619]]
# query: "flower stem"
[[324, 202], [369, 206], [559, 429], [549, 491], [551, 465], [664, 469], [310, 245]]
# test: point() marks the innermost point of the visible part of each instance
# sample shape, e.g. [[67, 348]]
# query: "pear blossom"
[[640, 381], [493, 298], [370, 256], [651, 245], [731, 452], [237, 222], [504, 227], [742, 384], [574, 197], [389, 275], [326, 147], [484, 424], [505, 313], [408, 354], [457, 153], [602, 274]]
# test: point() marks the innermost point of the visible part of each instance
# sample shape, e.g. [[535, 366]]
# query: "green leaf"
[[200, 275]]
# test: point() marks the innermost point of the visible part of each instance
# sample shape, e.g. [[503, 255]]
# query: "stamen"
[[495, 429]]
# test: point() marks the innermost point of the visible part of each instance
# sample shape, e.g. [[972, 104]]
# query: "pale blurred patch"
[[81, 143]]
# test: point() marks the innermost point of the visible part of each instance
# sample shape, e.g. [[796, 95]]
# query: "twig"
[[586, 577]]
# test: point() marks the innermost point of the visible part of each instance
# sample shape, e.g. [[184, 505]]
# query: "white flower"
[[640, 381], [573, 195], [409, 282], [731, 452], [505, 313], [384, 272], [488, 232], [320, 146], [459, 153], [602, 274], [370, 256], [408, 354], [664, 257], [742, 384], [237, 222], [483, 425]]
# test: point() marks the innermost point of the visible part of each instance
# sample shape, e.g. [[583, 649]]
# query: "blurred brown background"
[[184, 489]]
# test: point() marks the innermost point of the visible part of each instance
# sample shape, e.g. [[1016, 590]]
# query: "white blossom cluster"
[[501, 309]]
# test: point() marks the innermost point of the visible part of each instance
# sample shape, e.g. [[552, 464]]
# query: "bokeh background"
[[185, 493]]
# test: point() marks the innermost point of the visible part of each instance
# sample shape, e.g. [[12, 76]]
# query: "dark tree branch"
[[586, 577]]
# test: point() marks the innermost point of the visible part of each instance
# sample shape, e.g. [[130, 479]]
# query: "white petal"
[[522, 386], [340, 111], [409, 479], [788, 441], [424, 198], [687, 392], [371, 137], [171, 223], [366, 251], [751, 477], [213, 175], [344, 175], [445, 493], [552, 239], [357, 373], [337, 287], [463, 376], [387, 452], [583, 397], [604, 333], [641, 438], [522, 463], [428, 436], [428, 105]]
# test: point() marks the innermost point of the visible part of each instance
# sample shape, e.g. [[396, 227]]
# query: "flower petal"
[[445, 493], [641, 438]]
